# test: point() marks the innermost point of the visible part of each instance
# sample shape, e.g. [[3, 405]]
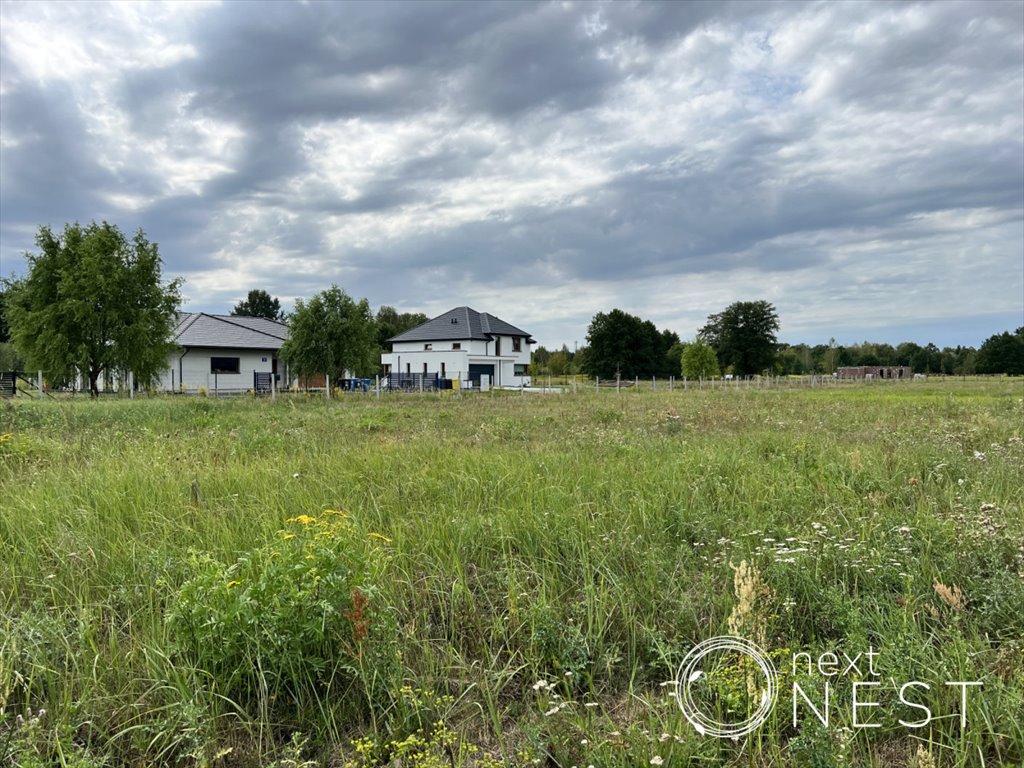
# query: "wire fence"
[[28, 385]]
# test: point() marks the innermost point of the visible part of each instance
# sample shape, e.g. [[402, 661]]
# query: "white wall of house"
[[192, 367], [510, 368]]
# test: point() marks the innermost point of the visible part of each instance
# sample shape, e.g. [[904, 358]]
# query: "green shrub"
[[302, 617]]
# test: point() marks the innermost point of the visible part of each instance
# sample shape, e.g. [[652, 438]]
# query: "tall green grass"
[[534, 568]]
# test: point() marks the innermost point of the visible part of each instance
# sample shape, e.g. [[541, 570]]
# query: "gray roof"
[[461, 323], [198, 329]]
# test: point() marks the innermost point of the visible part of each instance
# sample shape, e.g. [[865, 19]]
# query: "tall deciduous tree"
[[259, 303], [699, 361], [331, 334], [623, 344], [744, 336], [5, 331], [616, 344], [1002, 353], [391, 322], [93, 302]]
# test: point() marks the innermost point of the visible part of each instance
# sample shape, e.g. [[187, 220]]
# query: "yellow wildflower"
[[288, 536], [5, 438], [381, 537], [232, 584], [304, 519], [338, 512]]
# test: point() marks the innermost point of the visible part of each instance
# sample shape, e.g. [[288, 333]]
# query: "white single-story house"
[[464, 345], [224, 353]]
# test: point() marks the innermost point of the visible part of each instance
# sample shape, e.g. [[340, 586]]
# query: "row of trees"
[[93, 302], [1000, 353], [742, 340]]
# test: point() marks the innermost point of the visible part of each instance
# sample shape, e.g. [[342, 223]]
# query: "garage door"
[[476, 370]]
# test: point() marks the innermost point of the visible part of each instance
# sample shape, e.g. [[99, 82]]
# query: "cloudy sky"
[[859, 165]]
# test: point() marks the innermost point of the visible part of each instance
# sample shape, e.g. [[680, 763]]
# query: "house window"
[[427, 347], [519, 370], [457, 345], [224, 365], [517, 344]]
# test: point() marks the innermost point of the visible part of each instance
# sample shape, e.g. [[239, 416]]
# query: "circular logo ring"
[[689, 673]]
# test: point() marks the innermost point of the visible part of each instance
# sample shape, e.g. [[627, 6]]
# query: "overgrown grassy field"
[[511, 580]]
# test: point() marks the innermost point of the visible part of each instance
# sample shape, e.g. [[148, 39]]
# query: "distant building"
[[875, 372], [224, 353], [464, 345]]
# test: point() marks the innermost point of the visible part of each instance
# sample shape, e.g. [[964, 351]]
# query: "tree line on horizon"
[[741, 340], [93, 301]]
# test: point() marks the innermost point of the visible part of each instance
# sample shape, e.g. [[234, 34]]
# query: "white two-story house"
[[464, 345]]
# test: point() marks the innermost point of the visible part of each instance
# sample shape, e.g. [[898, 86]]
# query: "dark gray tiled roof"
[[461, 323], [198, 329]]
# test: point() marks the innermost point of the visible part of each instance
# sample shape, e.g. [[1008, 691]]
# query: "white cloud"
[[861, 165]]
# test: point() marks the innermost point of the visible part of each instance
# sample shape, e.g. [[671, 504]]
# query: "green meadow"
[[503, 580]]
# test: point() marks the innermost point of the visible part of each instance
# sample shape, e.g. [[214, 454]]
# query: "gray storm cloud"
[[860, 165]]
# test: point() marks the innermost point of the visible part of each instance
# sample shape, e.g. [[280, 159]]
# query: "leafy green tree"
[[1002, 353], [259, 303], [331, 334], [5, 330], [959, 361], [560, 361], [674, 358], [700, 360], [93, 302], [744, 336], [10, 360], [539, 359], [614, 340], [906, 353], [390, 322], [927, 359], [622, 344], [666, 363], [790, 360]]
